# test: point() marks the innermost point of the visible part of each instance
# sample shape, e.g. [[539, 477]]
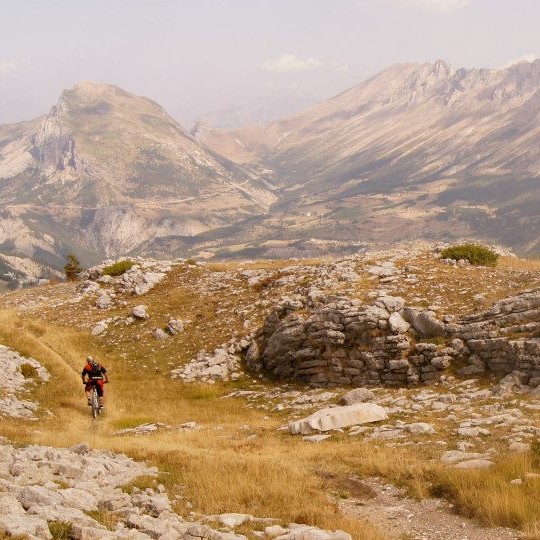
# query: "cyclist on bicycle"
[[94, 373]]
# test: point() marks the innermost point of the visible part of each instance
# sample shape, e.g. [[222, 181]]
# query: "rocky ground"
[[393, 511], [80, 491], [19, 376], [448, 353]]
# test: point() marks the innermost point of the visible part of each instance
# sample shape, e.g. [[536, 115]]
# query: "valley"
[[418, 151]]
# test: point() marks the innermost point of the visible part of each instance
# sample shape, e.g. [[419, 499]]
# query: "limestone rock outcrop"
[[340, 341]]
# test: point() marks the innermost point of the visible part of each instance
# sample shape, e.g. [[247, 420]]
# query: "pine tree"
[[72, 268]]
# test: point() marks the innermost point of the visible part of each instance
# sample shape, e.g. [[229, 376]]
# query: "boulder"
[[457, 456], [475, 464], [33, 495], [358, 395], [175, 326], [140, 312], [425, 323], [419, 428], [25, 526], [158, 333], [99, 328], [398, 324], [338, 417]]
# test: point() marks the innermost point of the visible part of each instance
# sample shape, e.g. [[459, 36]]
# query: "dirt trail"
[[389, 509]]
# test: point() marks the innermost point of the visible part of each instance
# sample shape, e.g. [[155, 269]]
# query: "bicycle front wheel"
[[95, 403]]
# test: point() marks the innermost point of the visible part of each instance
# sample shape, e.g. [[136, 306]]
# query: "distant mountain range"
[[417, 151]]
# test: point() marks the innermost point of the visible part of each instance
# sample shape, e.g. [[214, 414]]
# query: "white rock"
[[233, 520], [398, 324], [358, 395], [475, 464], [158, 333], [315, 438], [40, 495], [99, 328], [472, 431], [338, 417], [140, 312], [24, 526], [456, 456], [419, 428]]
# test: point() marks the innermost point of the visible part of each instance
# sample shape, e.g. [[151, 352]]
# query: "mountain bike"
[[94, 398]]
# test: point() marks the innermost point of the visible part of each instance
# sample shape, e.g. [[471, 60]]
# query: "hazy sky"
[[197, 56]]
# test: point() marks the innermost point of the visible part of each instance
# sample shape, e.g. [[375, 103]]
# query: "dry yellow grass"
[[216, 468]]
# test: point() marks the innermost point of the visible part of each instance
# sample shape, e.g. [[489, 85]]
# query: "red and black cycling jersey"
[[93, 371]]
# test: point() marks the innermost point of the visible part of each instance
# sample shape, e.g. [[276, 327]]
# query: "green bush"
[[28, 371], [474, 253], [118, 268]]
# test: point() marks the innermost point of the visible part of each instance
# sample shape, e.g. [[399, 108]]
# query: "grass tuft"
[[105, 518], [28, 371], [60, 530]]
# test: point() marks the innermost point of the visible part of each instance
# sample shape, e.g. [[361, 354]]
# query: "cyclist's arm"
[[84, 372]]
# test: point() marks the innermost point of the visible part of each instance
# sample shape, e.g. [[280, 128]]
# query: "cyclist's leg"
[[88, 392], [100, 385]]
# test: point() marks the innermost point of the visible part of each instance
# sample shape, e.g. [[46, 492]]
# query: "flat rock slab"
[[338, 417], [316, 438], [475, 464], [457, 456]]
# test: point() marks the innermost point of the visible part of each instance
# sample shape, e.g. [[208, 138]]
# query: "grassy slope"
[[217, 468]]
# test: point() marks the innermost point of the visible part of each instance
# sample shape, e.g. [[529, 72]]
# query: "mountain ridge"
[[118, 171], [416, 151], [456, 145]]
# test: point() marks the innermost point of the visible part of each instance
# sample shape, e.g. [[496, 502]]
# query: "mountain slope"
[[115, 171], [419, 149]]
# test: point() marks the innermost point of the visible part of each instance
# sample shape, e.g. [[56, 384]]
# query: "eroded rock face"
[[343, 342]]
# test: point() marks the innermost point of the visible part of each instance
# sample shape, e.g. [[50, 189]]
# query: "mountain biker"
[[97, 374]]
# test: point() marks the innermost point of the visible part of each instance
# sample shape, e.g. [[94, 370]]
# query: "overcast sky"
[[197, 56]]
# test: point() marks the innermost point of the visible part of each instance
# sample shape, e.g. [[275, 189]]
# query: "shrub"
[[118, 268], [60, 530], [474, 253], [72, 268], [28, 371]]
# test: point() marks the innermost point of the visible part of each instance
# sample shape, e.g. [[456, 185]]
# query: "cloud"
[[290, 62], [525, 59], [432, 5], [341, 68], [7, 66]]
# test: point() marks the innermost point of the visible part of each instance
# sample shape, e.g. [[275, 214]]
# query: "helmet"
[[89, 359]]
